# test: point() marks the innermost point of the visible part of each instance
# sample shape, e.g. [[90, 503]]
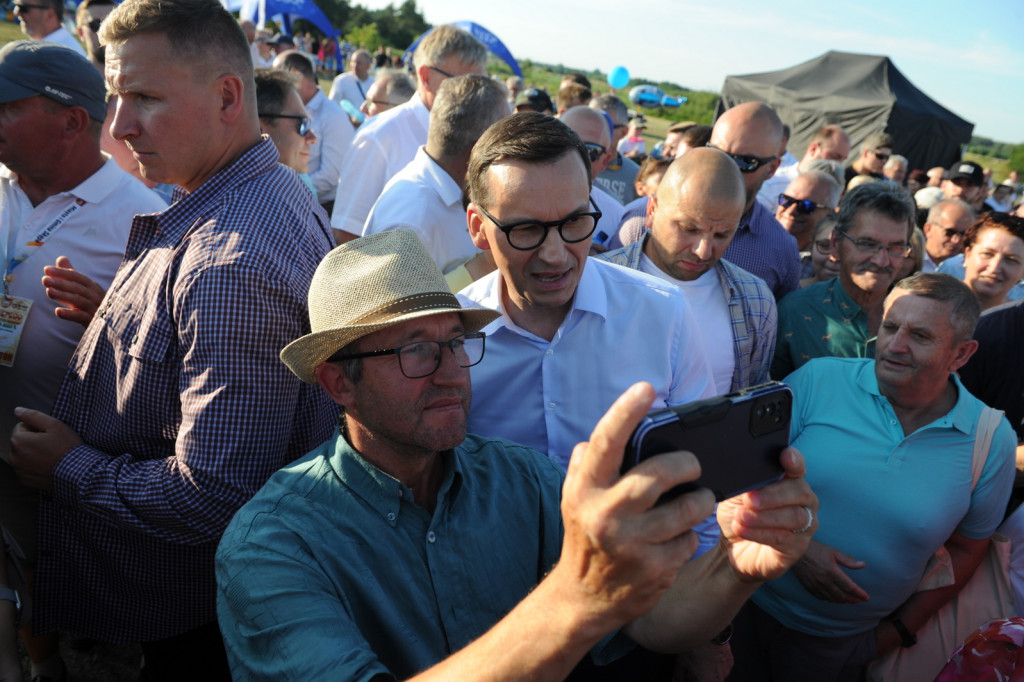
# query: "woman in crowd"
[[823, 260], [284, 119], [994, 257]]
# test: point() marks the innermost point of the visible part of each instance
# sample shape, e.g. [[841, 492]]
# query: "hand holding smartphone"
[[737, 438]]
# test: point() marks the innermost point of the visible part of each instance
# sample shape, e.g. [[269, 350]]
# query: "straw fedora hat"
[[369, 284]]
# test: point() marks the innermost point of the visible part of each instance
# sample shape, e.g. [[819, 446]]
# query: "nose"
[[882, 258], [310, 137], [124, 124], [897, 342], [702, 249], [552, 250]]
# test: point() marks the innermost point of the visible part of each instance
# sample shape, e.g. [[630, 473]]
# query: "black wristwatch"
[[907, 639], [7, 594]]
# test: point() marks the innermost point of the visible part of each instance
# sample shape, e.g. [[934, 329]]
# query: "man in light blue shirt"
[[890, 449], [574, 332]]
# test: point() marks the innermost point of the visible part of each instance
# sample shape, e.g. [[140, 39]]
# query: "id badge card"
[[13, 315]]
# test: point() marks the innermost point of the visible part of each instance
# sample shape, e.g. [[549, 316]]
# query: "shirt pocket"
[[144, 335]]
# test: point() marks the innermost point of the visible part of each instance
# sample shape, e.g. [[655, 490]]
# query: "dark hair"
[[295, 60], [941, 287], [1006, 221], [651, 166], [528, 136], [696, 136], [570, 93], [578, 78], [887, 198], [272, 89]]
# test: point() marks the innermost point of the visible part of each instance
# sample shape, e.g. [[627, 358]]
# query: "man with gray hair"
[[426, 195], [354, 85], [334, 132], [839, 316], [44, 20], [619, 176], [896, 168], [385, 144], [944, 231], [805, 201], [391, 88]]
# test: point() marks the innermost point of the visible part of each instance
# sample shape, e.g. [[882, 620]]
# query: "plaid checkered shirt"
[[185, 409]]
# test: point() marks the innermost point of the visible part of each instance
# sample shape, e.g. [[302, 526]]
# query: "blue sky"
[[969, 60]]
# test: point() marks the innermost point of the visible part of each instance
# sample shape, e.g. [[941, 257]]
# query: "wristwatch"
[[7, 594], [907, 639]]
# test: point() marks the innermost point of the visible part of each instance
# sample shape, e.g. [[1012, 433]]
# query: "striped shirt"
[[752, 315], [185, 409]]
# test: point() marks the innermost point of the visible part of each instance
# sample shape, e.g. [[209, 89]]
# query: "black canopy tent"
[[862, 93]]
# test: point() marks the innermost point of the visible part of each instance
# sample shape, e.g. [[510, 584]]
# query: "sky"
[[969, 61]]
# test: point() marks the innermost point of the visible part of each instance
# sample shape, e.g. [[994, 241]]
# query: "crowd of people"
[[307, 385]]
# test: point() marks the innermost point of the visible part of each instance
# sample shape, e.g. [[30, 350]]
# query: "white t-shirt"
[[708, 302], [348, 87]]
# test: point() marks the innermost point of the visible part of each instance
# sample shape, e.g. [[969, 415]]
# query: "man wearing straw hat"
[[403, 544]]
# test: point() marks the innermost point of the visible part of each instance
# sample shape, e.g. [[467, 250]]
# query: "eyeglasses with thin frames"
[[420, 359], [303, 125], [442, 72], [823, 246], [530, 234], [873, 247], [748, 163]]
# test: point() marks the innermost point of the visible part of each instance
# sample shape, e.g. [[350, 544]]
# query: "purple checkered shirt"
[[186, 410], [762, 247]]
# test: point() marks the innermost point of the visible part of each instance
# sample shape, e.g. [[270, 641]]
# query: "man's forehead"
[[510, 175]]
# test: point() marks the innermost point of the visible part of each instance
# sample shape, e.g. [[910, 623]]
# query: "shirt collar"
[[447, 188], [961, 417], [93, 189]]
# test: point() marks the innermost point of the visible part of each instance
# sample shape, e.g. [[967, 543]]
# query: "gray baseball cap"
[[30, 67]]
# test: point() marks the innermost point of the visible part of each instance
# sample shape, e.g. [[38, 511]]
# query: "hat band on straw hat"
[[406, 305]]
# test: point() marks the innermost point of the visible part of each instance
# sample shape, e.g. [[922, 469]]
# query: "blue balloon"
[[619, 77]]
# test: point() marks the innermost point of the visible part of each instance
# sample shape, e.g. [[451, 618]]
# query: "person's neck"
[[455, 167], [987, 302], [916, 408], [422, 471], [61, 176], [869, 301], [542, 322]]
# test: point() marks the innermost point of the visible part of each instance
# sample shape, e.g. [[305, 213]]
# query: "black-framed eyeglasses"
[[94, 25], [823, 246], [595, 151], [873, 247], [303, 126], [804, 206], [529, 234], [442, 72], [953, 233], [881, 156], [748, 163], [22, 6], [422, 358]]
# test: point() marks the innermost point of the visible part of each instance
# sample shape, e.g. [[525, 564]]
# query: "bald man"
[[592, 127], [751, 133], [830, 143], [692, 220], [805, 201]]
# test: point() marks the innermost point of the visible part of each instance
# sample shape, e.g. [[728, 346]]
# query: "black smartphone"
[[737, 438]]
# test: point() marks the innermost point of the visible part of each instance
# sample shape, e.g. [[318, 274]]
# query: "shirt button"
[[550, 352], [551, 406], [135, 338], [892, 421], [401, 493], [431, 537], [391, 516]]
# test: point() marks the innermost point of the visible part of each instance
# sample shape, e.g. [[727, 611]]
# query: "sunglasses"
[[21, 7], [880, 156], [748, 163], [595, 151], [303, 126], [803, 206], [94, 25]]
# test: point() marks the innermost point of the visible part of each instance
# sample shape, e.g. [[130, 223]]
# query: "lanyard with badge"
[[13, 309]]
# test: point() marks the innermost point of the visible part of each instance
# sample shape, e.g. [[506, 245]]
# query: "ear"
[[422, 74], [652, 206], [336, 383], [76, 122], [964, 351], [475, 223], [232, 97], [774, 166]]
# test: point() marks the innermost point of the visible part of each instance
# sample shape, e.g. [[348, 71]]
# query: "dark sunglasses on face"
[[303, 126], [804, 206], [595, 151], [881, 156], [748, 163]]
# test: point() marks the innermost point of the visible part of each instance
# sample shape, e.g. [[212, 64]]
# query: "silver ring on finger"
[[810, 521]]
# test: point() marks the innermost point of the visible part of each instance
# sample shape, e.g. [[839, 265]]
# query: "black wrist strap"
[[907, 639]]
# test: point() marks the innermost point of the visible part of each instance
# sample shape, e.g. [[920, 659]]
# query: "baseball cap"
[[967, 170], [536, 99], [29, 68]]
